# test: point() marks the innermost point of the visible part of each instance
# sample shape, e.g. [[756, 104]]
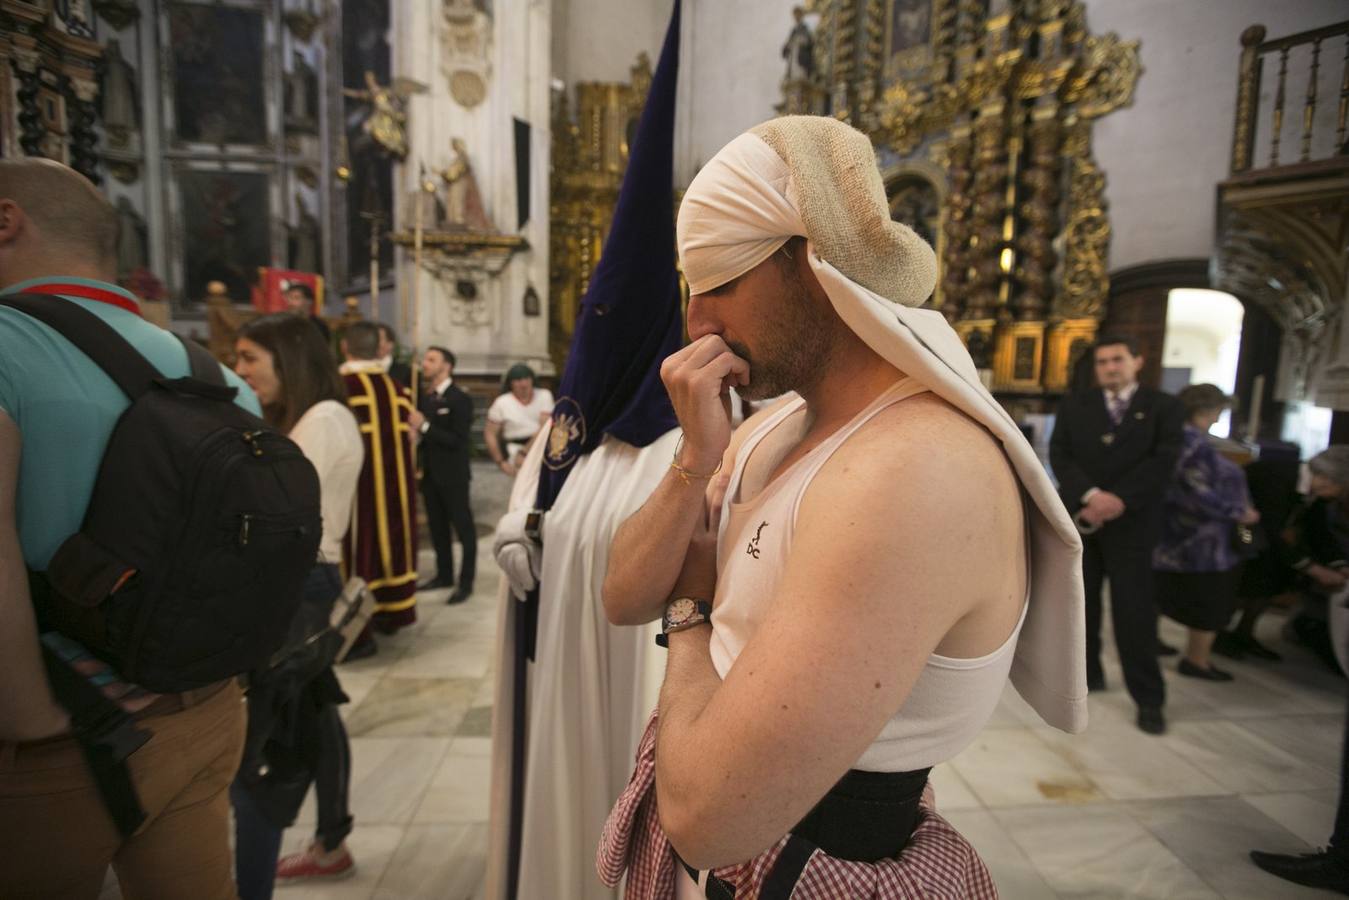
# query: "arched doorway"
[[1138, 308]]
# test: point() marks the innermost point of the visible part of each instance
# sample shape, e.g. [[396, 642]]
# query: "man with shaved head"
[[381, 545], [845, 580], [58, 240]]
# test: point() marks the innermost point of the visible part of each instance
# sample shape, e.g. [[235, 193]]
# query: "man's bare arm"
[[27, 709], [866, 597], [648, 549]]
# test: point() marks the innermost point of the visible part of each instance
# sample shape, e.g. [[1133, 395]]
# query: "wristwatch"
[[682, 613], [534, 526]]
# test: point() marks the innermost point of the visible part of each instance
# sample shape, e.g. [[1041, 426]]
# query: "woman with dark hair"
[[515, 417], [295, 735], [1196, 563]]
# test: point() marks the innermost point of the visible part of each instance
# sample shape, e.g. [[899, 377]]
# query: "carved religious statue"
[[463, 202], [121, 115], [799, 51], [77, 11], [301, 91], [131, 238], [304, 239], [386, 118]]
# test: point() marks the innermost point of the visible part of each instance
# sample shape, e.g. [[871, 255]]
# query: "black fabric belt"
[[865, 817]]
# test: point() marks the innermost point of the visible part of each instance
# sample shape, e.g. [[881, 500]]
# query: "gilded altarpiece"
[[49, 83], [981, 112], [590, 155]]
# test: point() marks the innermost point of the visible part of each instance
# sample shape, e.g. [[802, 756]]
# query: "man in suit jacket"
[[443, 421], [400, 372], [1113, 451], [300, 300]]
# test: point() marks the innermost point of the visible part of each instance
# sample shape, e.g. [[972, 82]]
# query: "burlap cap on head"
[[841, 199]]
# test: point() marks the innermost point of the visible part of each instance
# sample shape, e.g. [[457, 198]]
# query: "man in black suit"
[[400, 372], [1113, 451], [299, 299], [443, 421]]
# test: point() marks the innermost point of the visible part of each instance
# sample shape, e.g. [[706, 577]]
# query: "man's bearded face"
[[790, 345]]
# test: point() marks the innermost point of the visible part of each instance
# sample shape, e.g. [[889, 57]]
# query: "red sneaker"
[[306, 866]]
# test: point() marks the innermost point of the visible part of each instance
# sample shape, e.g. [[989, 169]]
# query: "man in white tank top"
[[840, 540]]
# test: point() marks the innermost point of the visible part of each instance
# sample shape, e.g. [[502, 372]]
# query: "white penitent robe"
[[591, 687]]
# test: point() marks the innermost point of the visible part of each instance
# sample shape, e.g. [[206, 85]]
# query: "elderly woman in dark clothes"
[[1317, 533], [1196, 564], [1315, 543], [1316, 537]]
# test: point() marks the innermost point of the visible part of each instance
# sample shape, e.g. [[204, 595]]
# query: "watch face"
[[679, 612]]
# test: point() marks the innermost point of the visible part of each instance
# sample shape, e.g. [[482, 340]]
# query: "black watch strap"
[[682, 613]]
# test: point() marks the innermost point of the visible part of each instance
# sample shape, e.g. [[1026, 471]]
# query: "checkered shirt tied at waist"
[[937, 862]]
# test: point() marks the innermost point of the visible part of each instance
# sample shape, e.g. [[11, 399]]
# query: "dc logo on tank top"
[[753, 548]]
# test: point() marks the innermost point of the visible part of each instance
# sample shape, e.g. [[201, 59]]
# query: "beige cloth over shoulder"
[[817, 177]]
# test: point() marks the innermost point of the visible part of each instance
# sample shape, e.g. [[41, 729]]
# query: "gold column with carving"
[[590, 155]]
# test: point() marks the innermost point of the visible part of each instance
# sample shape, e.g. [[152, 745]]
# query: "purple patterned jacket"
[[1206, 496]]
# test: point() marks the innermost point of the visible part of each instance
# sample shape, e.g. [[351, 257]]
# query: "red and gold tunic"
[[385, 517]]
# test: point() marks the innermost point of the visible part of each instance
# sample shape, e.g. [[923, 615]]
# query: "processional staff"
[[425, 186], [375, 218]]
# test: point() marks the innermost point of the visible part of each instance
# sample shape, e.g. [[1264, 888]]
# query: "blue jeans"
[[257, 846], [311, 747]]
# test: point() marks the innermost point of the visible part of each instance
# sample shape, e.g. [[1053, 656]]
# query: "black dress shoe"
[[1260, 651], [1165, 649], [1212, 673], [1317, 870], [435, 584], [459, 596], [1151, 720], [1095, 683], [1230, 644]]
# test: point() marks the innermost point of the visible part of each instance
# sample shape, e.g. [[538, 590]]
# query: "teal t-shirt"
[[66, 407]]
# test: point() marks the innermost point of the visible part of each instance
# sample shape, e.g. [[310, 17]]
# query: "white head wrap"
[[747, 202]]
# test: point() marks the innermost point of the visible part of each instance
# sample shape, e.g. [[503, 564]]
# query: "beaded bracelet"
[[684, 473]]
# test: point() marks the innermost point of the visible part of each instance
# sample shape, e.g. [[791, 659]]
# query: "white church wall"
[[1164, 155], [728, 77], [735, 66], [598, 40]]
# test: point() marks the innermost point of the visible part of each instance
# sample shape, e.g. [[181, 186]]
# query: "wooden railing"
[[1254, 50]]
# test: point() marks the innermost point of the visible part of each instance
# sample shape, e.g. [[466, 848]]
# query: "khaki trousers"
[[57, 839]]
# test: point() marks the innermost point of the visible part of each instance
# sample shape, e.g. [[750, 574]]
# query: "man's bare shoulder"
[[919, 492], [924, 445]]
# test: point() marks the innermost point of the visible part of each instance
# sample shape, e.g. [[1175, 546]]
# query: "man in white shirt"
[[515, 417]]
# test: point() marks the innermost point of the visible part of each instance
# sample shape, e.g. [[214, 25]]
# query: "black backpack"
[[202, 527]]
